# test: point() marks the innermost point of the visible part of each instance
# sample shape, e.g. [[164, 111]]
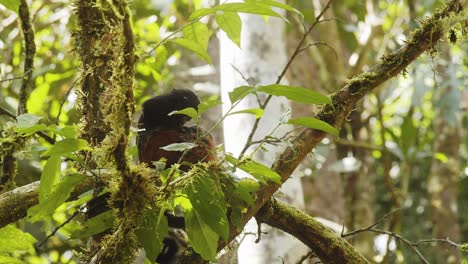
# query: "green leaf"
[[161, 57], [50, 176], [66, 146], [13, 5], [298, 94], [27, 120], [277, 4], [95, 225], [28, 124], [151, 232], [230, 22], [409, 133], [202, 238], [189, 44], [67, 132], [13, 239], [10, 260], [60, 194], [441, 157], [208, 103], [250, 8], [179, 146], [240, 92], [209, 203], [190, 112], [31, 130], [257, 170], [314, 123], [196, 37], [258, 112], [245, 188]]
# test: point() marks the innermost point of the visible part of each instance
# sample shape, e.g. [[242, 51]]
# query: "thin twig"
[[164, 40], [64, 99], [16, 78], [283, 72], [412, 245], [58, 227], [383, 218]]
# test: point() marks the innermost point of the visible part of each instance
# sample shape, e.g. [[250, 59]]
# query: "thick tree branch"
[[421, 40], [29, 51], [14, 204], [326, 244]]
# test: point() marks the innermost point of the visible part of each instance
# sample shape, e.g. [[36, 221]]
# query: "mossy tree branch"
[[329, 247], [421, 40], [7, 158], [29, 52]]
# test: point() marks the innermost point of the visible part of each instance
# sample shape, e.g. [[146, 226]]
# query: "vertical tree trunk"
[[262, 57], [445, 173]]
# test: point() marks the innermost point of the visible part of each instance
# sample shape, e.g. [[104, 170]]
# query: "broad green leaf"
[[13, 239], [27, 120], [60, 194], [208, 103], [240, 92], [277, 4], [10, 260], [179, 146], [259, 171], [250, 8], [298, 94], [198, 49], [230, 23], [314, 123], [209, 203], [202, 238], [13, 5], [67, 132], [408, 133], [190, 112], [95, 225], [196, 37], [245, 188], [66, 146], [28, 124], [258, 112], [50, 176], [161, 57], [151, 232], [31, 130], [441, 157]]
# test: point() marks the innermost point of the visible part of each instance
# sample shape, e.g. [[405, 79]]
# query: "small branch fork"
[[412, 245], [300, 47]]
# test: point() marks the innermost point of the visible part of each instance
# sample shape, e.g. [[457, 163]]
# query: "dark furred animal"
[[158, 129], [161, 129]]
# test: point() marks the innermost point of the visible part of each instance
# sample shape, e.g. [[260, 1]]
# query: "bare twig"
[[77, 212], [164, 40], [18, 77], [383, 218], [412, 245], [64, 99], [296, 52]]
